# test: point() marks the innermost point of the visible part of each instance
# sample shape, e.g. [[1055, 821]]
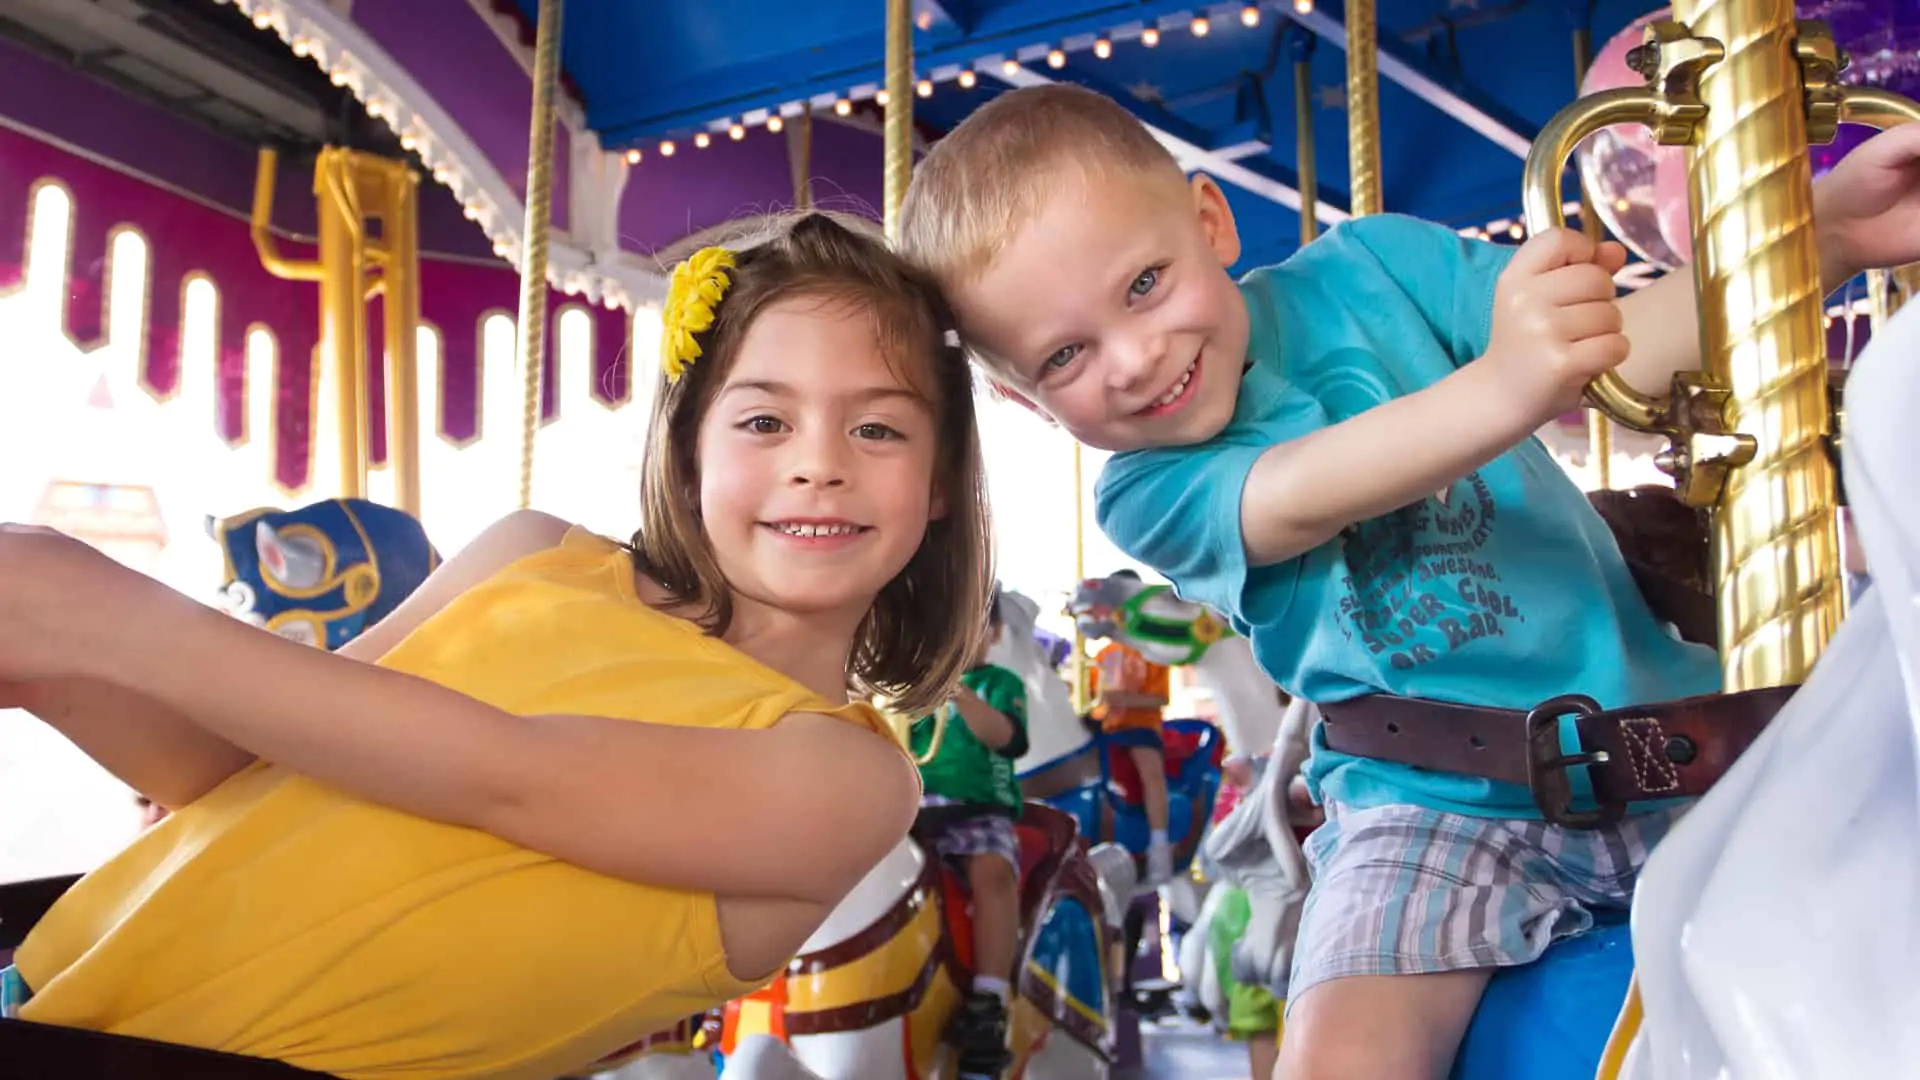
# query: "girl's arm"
[[153, 749], [808, 806], [162, 753]]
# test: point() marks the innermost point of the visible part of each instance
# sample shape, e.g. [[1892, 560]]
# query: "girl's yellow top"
[[280, 918]]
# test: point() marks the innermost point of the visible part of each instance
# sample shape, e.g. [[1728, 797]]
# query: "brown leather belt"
[[1669, 749]]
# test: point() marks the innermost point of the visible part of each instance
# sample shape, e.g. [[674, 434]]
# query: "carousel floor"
[[1187, 1051]]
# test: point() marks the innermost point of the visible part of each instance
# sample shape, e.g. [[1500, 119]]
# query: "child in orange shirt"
[[1130, 693]]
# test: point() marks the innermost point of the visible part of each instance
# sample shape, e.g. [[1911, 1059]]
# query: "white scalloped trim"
[[313, 29]]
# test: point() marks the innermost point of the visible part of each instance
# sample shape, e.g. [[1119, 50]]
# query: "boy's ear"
[[1216, 218]]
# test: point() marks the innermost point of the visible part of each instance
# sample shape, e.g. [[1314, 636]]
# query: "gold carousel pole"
[[401, 236], [1776, 549], [1599, 425], [899, 112], [800, 158], [533, 239], [1363, 108], [1304, 164], [343, 313], [1080, 688]]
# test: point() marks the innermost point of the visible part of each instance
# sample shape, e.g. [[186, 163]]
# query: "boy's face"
[[1111, 311]]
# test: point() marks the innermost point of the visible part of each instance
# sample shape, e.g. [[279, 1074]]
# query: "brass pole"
[[1363, 108], [1080, 689], [1599, 425], [800, 159], [401, 274], [1776, 549], [265, 178], [1304, 163], [1887, 290], [343, 315], [533, 240], [899, 111]]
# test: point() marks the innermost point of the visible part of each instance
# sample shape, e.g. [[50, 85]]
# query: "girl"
[[570, 792]]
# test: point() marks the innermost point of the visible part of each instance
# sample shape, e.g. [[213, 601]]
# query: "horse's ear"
[[288, 563]]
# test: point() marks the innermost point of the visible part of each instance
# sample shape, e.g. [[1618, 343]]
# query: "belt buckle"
[[1547, 767]]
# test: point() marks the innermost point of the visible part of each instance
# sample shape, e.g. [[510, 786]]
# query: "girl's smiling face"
[[817, 459]]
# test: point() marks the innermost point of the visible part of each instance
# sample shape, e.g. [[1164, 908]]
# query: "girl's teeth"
[[816, 530]]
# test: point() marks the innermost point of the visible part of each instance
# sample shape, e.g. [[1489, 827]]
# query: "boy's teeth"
[[796, 529], [1168, 397]]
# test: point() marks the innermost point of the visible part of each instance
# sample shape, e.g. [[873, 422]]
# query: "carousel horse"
[[1767, 926], [1072, 767], [321, 574], [873, 990]]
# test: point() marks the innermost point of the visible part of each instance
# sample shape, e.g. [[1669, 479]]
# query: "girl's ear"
[[937, 506]]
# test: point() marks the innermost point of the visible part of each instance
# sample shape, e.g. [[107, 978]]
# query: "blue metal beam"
[[1450, 95], [837, 67]]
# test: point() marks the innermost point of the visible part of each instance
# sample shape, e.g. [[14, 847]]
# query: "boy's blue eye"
[[1061, 358], [1144, 284]]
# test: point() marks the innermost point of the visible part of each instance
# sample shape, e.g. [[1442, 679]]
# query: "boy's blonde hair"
[[924, 628], [990, 175]]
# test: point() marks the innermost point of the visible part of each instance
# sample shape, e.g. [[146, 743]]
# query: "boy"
[[970, 804], [1336, 453]]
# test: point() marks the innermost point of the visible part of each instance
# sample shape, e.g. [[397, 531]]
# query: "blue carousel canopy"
[[1464, 84]]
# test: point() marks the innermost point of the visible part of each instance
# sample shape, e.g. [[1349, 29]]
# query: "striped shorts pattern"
[[1400, 890], [982, 834]]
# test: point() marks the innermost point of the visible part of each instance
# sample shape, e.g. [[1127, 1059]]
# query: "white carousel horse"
[[1773, 931], [1167, 630], [1054, 730]]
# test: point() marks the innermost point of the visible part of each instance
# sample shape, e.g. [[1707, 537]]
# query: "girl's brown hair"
[[926, 624]]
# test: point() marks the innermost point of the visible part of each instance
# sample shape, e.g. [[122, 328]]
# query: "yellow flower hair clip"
[[696, 287]]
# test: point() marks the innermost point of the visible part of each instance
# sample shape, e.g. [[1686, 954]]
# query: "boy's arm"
[[1302, 493], [989, 725], [1555, 325], [1863, 217]]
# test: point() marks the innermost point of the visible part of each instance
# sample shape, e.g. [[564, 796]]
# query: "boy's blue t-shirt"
[[1504, 590]]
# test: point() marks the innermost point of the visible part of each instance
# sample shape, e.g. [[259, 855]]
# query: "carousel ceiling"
[[672, 111], [204, 61], [1464, 84]]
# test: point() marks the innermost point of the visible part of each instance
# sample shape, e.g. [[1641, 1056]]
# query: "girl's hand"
[[1866, 212], [54, 593]]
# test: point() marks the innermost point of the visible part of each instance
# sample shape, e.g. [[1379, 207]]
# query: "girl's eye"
[[763, 425], [876, 431], [1145, 283], [1061, 358]]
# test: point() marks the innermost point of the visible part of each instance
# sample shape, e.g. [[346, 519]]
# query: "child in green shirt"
[[971, 801]]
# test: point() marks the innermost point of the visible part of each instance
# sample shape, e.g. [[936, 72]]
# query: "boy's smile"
[[1110, 310], [1178, 396]]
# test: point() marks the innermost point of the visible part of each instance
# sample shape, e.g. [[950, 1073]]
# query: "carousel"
[[301, 294]]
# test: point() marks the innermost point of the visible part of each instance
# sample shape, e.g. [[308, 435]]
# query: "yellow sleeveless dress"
[[280, 918]]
